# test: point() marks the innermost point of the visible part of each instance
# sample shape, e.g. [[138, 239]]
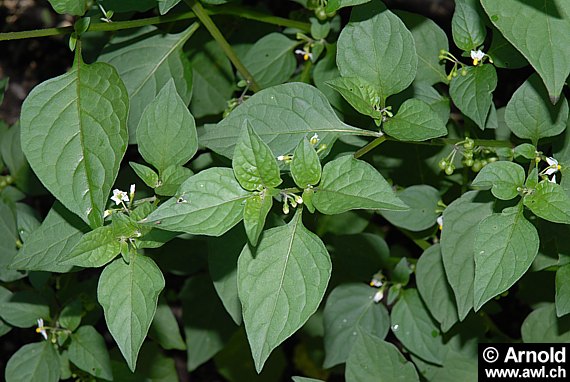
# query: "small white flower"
[[477, 56], [306, 55], [376, 283], [107, 213], [132, 189], [314, 139], [439, 221], [553, 166], [41, 329], [119, 196], [378, 296], [281, 158]]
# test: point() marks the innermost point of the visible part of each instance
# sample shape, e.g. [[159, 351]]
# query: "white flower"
[[119, 196], [439, 221], [107, 213], [306, 55], [477, 56], [553, 166], [376, 283], [132, 190], [378, 296], [41, 329], [281, 158], [553, 179], [314, 139]]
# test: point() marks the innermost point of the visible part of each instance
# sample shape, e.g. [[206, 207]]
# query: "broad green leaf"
[[563, 290], [9, 238], [467, 27], [359, 94], [335, 5], [74, 135], [429, 39], [206, 324], [271, 60], [23, 309], [534, 28], [164, 328], [14, 159], [350, 309], [416, 329], [255, 211], [388, 63], [212, 82], [505, 247], [326, 70], [373, 359], [282, 116], [36, 362], [550, 202], [305, 165], [434, 288], [503, 178], [72, 7], [460, 220], [208, 203], [166, 133], [166, 5], [525, 150], [415, 121], [294, 268], [456, 367], [27, 221], [128, 294], [422, 214], [349, 183], [504, 54], [473, 93], [530, 115], [88, 352], [146, 174], [171, 178], [53, 240], [255, 166], [542, 326], [94, 249], [146, 61], [70, 316], [319, 30]]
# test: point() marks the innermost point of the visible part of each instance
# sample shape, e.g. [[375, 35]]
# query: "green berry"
[[449, 169], [468, 162], [469, 144], [468, 154], [442, 164], [321, 14], [476, 166]]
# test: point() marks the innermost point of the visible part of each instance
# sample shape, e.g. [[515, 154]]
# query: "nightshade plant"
[[275, 156]]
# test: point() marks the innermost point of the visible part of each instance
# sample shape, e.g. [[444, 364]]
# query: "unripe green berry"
[[476, 166], [468, 162], [321, 14], [492, 159], [449, 169], [469, 144], [442, 164], [468, 154]]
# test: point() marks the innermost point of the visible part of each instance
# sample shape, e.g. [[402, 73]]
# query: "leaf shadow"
[[549, 8]]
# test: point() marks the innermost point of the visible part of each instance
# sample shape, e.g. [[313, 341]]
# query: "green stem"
[[206, 20], [119, 25], [306, 73], [362, 151]]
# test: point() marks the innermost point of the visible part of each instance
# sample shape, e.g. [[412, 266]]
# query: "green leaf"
[[306, 165], [416, 329], [525, 150], [563, 290], [350, 309], [542, 326], [504, 178], [166, 5], [429, 39], [422, 214], [37, 362], [434, 288], [128, 294], [529, 115], [255, 166], [294, 267], [213, 80], [415, 121], [208, 331], [282, 116], [349, 183], [166, 133], [8, 236], [504, 54], [335, 5], [171, 179], [53, 240], [88, 352], [388, 63], [14, 159], [375, 360], [535, 30], [256, 209], [70, 316], [94, 249], [146, 174], [359, 94], [164, 328], [146, 61], [505, 247], [23, 309], [473, 92], [208, 203], [319, 30], [271, 60], [550, 202], [467, 27], [460, 220], [74, 135], [72, 7]]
